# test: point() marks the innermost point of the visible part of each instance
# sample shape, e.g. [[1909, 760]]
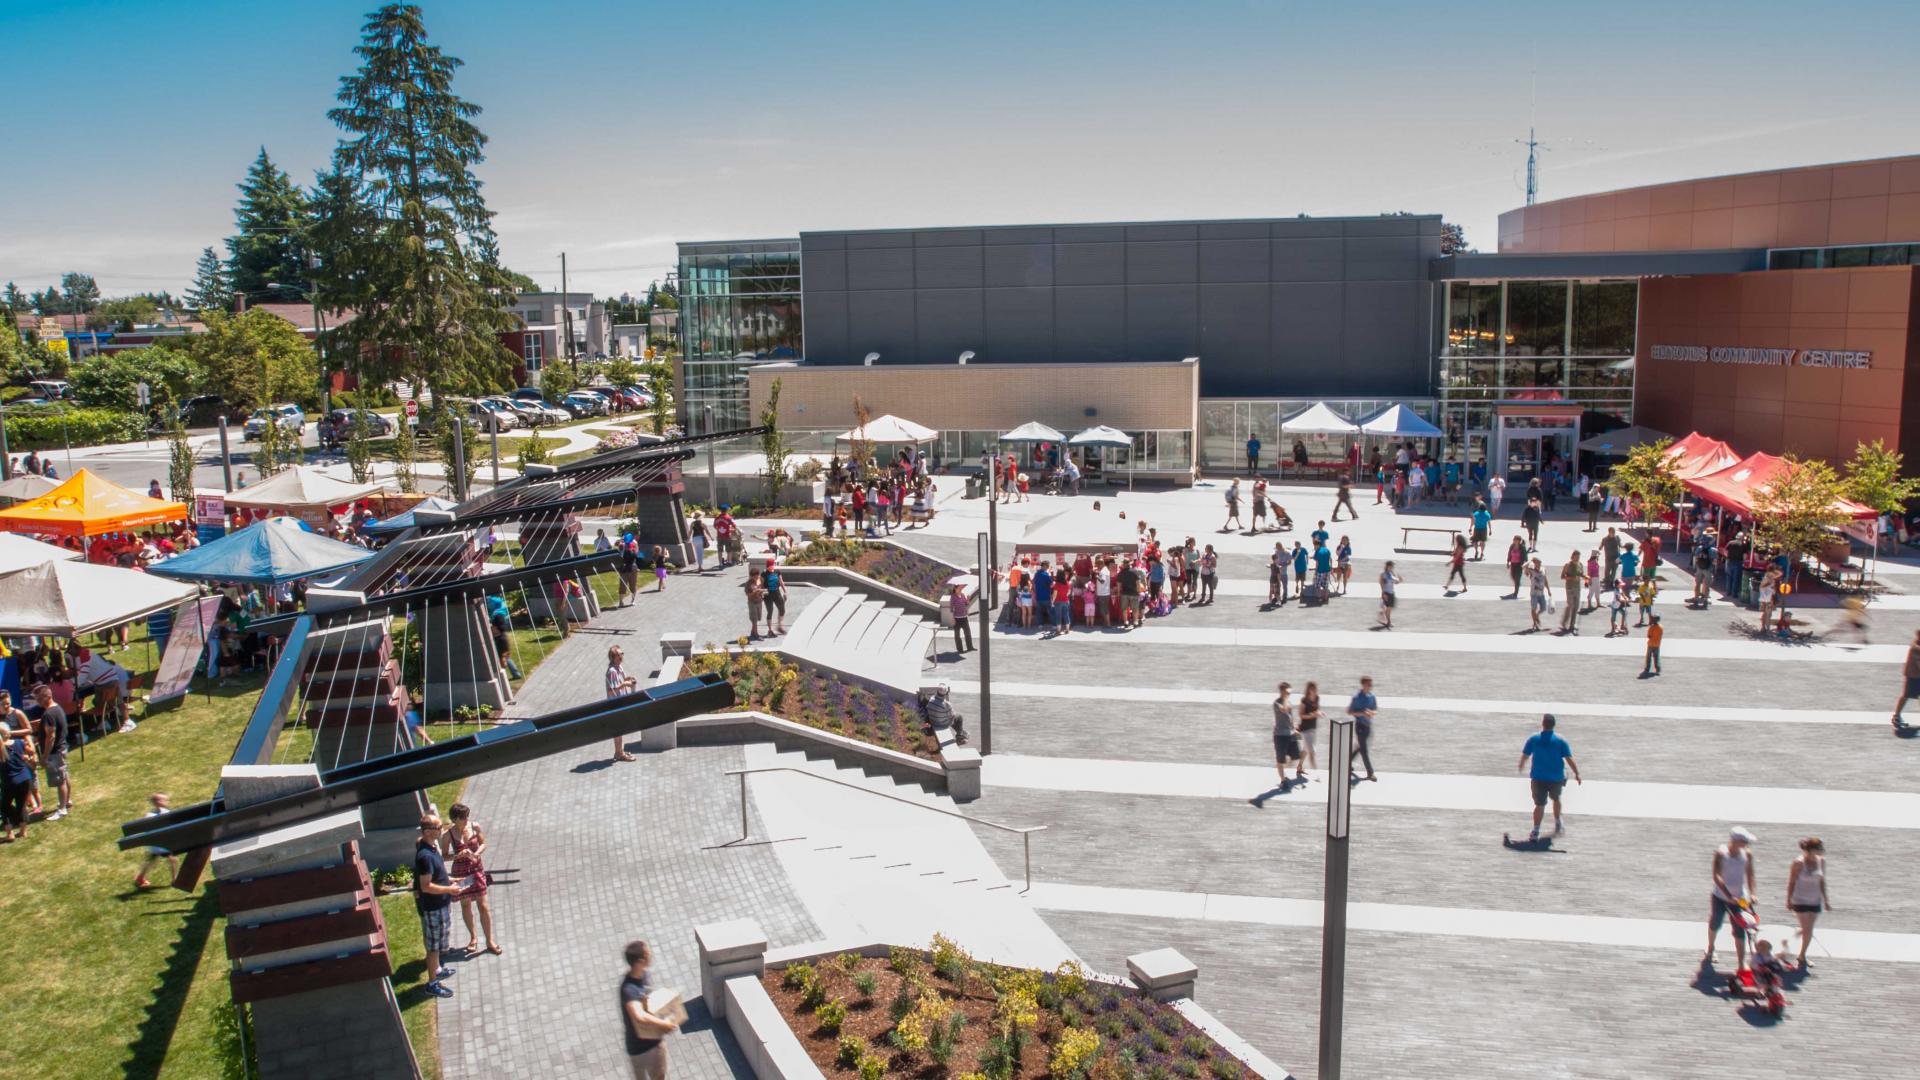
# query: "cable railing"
[[1025, 834]]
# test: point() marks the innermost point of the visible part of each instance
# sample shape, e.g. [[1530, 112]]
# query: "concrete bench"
[[1450, 533]]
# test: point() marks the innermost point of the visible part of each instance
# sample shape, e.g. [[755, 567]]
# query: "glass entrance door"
[[1522, 459]]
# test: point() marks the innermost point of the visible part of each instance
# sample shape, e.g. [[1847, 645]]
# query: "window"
[[530, 350], [1536, 321], [1603, 317], [1473, 319]]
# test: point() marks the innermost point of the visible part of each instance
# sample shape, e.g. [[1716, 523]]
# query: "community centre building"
[[1772, 310]]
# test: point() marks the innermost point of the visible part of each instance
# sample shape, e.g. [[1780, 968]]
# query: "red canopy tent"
[[1697, 455], [1737, 487]]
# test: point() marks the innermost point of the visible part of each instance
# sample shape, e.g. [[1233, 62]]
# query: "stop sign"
[[413, 408]]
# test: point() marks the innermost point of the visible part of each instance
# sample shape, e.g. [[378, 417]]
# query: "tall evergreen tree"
[[210, 290], [421, 271], [272, 218], [16, 302], [80, 292]]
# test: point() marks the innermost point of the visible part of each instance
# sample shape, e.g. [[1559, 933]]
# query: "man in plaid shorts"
[[433, 892]]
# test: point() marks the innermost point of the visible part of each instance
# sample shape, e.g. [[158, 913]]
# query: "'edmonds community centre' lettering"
[[1728, 354]]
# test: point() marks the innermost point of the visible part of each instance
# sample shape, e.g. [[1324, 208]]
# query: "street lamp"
[[1333, 918]]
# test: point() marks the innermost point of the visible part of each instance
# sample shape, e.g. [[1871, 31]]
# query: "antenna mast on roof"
[[1532, 143]]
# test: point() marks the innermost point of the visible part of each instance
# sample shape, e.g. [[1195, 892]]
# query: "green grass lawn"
[[107, 980]]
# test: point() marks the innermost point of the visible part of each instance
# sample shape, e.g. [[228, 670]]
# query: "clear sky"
[[619, 128]]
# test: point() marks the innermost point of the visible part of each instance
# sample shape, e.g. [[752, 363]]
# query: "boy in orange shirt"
[[1654, 633]]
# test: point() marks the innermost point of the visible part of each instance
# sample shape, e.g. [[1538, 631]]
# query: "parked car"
[[581, 403], [290, 418], [625, 398], [645, 396], [337, 427], [489, 416], [528, 393], [533, 412], [52, 389], [603, 394], [207, 409]]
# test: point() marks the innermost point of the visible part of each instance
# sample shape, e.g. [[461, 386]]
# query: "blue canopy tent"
[[265, 552], [400, 523]]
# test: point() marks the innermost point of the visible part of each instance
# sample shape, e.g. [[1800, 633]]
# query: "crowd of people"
[[33, 465], [869, 498]]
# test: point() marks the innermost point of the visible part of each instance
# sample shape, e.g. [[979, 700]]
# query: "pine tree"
[[269, 249], [209, 290], [423, 277]]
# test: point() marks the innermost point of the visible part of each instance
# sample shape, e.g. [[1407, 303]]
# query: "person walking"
[[659, 570], [1286, 742], [1911, 686], [1388, 579], [1344, 500], [1309, 722], [960, 607], [1732, 885], [1617, 608], [1551, 757], [1343, 563], [776, 598], [1481, 526], [1259, 502], [629, 571], [1610, 555], [1573, 577], [1530, 521], [1703, 553], [619, 683], [698, 533], [1233, 506], [1516, 565], [646, 1031], [1536, 591], [1496, 491], [1363, 708], [1629, 563], [53, 749], [157, 803], [1807, 890], [466, 845], [1277, 574], [1457, 563], [756, 601], [1596, 496], [1593, 581], [1654, 633], [433, 892]]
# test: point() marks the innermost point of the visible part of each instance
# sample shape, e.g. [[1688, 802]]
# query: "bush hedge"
[[40, 428]]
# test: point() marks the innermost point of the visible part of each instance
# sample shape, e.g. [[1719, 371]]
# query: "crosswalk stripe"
[[1194, 696], [1456, 922], [1544, 643], [1443, 791]]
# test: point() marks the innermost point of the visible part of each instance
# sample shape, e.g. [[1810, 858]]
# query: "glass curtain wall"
[[1225, 424], [1522, 338], [739, 306]]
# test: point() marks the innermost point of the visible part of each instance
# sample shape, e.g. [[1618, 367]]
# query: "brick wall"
[[981, 397]]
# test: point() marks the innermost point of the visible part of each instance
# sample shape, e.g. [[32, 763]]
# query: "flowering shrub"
[[1073, 1051], [764, 682], [618, 440]]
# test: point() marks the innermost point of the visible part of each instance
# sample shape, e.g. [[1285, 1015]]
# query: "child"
[[1617, 617], [1025, 598], [659, 568], [159, 801], [1769, 971], [1654, 634], [1648, 590]]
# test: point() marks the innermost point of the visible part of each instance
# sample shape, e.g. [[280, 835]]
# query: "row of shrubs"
[[44, 429]]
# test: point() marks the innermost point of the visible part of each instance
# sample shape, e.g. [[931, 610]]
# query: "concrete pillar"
[[1163, 974], [730, 948]]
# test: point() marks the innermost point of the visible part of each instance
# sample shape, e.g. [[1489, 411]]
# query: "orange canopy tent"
[[88, 505], [1697, 455], [1737, 487]]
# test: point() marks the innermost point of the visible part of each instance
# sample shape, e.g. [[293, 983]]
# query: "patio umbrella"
[[27, 486], [1104, 436]]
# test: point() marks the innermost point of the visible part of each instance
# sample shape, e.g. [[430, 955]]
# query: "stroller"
[[1762, 980]]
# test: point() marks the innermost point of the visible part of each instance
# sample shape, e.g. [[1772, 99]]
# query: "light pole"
[[1333, 917], [713, 481]]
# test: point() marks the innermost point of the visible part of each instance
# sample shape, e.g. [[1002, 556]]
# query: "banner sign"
[[209, 509], [184, 646], [1728, 354]]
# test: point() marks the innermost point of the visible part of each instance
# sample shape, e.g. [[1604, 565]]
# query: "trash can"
[[973, 486]]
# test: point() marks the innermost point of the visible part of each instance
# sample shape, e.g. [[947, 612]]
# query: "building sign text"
[[1728, 354]]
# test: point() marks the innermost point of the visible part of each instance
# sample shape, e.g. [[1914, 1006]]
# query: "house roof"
[[302, 315]]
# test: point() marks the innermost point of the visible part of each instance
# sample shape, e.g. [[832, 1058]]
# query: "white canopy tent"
[[1104, 437], [889, 430], [302, 487], [66, 599], [1031, 432], [21, 553], [1318, 419], [1084, 529], [1398, 420]]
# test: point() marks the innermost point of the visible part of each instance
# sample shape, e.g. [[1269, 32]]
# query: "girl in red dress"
[[466, 844]]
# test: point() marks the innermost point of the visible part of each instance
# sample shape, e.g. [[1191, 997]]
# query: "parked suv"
[[291, 418], [534, 412], [337, 426], [490, 415], [583, 403]]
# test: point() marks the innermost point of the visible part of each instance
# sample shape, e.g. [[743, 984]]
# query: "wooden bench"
[[1454, 534]]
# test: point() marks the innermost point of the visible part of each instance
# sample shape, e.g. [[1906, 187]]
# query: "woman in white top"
[[1807, 889], [1103, 591], [1732, 883], [1388, 579]]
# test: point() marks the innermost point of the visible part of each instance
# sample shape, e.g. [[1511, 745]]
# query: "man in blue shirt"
[[432, 897], [1552, 757], [1482, 525], [1629, 563], [1043, 594], [1322, 569], [1362, 709], [1253, 454]]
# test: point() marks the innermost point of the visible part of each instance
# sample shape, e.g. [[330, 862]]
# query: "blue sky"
[[618, 128]]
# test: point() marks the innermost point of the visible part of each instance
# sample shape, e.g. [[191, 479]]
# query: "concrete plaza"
[[1140, 750]]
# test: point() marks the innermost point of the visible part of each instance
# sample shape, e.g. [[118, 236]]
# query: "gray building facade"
[[1275, 308]]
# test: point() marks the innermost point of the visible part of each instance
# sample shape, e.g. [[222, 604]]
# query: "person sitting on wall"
[[936, 709]]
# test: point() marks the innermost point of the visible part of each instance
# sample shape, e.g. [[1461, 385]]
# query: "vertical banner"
[[210, 517], [184, 646]]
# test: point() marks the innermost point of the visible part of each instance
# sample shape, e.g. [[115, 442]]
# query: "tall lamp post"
[[1333, 918]]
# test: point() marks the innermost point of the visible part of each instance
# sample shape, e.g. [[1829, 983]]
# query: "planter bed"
[[1067, 1025], [769, 683], [908, 571]]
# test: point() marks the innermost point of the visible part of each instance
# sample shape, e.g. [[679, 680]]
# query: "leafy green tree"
[[1647, 479], [1873, 479], [24, 360], [620, 371], [255, 358], [79, 293], [179, 461], [556, 381], [521, 283], [470, 440], [277, 449], [1796, 513], [773, 445], [269, 248], [406, 450], [659, 378], [123, 313], [360, 447], [111, 380], [15, 301], [210, 289], [424, 279], [535, 450]]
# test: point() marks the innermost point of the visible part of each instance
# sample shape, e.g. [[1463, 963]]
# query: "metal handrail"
[[1026, 834]]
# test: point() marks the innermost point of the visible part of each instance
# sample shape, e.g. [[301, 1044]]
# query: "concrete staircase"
[[883, 870], [864, 637]]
